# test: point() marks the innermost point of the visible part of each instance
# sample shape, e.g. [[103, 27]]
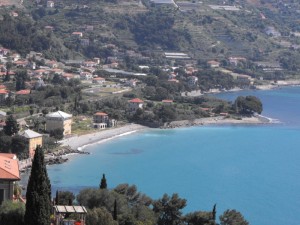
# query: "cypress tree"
[[115, 213], [38, 195], [214, 212], [103, 184], [11, 126], [56, 197]]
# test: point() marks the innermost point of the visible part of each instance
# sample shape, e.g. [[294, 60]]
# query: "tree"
[[200, 218], [103, 184], [12, 213], [11, 126], [38, 195], [58, 133], [248, 105], [232, 217], [65, 198], [98, 216], [5, 144], [169, 209], [115, 213], [19, 146]]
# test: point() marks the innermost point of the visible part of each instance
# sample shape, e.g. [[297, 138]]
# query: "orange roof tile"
[[2, 91], [100, 114], [136, 100], [23, 92], [9, 167]]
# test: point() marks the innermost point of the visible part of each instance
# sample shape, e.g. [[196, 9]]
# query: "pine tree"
[[103, 184], [38, 195], [115, 213], [11, 126]]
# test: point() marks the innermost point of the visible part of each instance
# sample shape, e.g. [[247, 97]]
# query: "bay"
[[254, 169]]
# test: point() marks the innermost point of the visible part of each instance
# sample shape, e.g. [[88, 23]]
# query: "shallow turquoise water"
[[254, 169]]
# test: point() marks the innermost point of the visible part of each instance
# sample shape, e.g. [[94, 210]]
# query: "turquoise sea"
[[254, 169]]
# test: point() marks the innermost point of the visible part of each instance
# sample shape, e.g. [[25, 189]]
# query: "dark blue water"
[[254, 169]]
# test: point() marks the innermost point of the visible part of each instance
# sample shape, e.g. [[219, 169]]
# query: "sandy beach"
[[80, 142]]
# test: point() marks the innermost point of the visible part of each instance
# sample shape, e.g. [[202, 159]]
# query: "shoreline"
[[82, 141]]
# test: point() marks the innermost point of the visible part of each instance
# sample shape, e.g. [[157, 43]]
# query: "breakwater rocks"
[[61, 156]]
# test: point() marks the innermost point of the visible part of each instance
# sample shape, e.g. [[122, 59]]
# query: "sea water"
[[254, 169]]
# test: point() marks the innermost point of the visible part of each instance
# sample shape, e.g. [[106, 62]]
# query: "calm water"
[[254, 169]]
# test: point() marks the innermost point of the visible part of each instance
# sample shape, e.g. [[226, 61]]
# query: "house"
[[50, 4], [86, 76], [9, 174], [34, 139], [131, 82], [192, 81], [96, 60], [4, 51], [52, 64], [173, 80], [59, 120], [49, 28], [68, 76], [135, 104], [102, 121], [235, 60], [213, 64], [3, 95], [90, 63], [98, 80], [2, 115], [78, 34]]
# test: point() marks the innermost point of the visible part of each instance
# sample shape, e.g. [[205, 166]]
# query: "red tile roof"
[[136, 100], [23, 92], [100, 114], [9, 167], [2, 91]]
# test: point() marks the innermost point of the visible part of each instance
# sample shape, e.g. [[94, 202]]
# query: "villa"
[[59, 120]]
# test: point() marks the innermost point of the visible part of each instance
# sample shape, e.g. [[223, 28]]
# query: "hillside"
[[257, 30]]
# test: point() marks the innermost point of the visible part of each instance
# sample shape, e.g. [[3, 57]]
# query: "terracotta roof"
[[100, 114], [23, 92], [98, 78], [2, 86], [3, 91], [9, 167], [136, 100]]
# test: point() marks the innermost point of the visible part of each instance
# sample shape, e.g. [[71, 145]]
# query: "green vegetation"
[[12, 213]]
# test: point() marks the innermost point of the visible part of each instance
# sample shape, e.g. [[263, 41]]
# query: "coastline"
[[82, 141], [79, 142]]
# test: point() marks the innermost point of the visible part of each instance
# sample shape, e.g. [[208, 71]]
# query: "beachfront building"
[[34, 139], [59, 120], [9, 174], [135, 104], [102, 121]]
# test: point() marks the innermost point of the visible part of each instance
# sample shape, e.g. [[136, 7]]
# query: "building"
[[34, 139], [192, 81], [3, 95], [59, 120], [102, 121], [135, 104], [213, 64], [78, 34], [50, 4], [9, 174], [77, 211], [98, 80]]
